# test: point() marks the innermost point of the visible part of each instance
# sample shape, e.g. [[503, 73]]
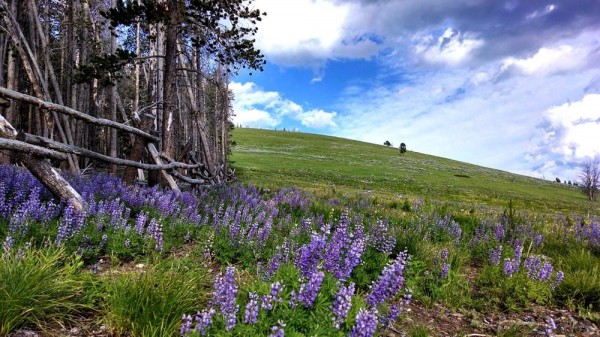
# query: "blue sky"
[[513, 85]]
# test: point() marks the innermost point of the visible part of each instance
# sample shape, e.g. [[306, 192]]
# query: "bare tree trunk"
[[113, 99]]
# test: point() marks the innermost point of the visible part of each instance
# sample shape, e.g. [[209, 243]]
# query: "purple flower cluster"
[[496, 255], [273, 296], [342, 303], [308, 256], [308, 291], [382, 238], [366, 323], [389, 282], [251, 313], [224, 297], [277, 330]]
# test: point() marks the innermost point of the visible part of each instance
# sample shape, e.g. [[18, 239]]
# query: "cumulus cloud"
[[310, 32], [255, 107], [451, 47], [567, 131]]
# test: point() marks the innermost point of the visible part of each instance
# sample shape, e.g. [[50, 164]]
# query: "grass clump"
[[39, 286], [151, 302]]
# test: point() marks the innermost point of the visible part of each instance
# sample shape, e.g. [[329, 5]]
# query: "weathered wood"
[[43, 171], [25, 148], [155, 155], [137, 150], [74, 113], [65, 148]]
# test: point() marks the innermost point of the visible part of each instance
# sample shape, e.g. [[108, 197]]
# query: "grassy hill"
[[325, 164]]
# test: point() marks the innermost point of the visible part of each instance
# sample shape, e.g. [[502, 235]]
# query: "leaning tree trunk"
[[43, 171]]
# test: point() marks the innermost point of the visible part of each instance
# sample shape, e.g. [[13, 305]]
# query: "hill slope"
[[328, 164]]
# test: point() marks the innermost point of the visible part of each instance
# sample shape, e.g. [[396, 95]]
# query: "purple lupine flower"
[[155, 232], [140, 222], [342, 304], [224, 295], [366, 323], [532, 265], [308, 291], [381, 238], [8, 243], [445, 270], [510, 267], [251, 313], [277, 330], [308, 255], [550, 326], [496, 256], [392, 315], [273, 296], [274, 263], [186, 325], [204, 320], [538, 239], [545, 272], [559, 278], [389, 282], [353, 256]]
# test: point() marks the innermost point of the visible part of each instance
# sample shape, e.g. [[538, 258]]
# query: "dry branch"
[[24, 148], [57, 146], [74, 113]]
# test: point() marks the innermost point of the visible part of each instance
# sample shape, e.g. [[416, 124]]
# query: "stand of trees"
[[156, 69]]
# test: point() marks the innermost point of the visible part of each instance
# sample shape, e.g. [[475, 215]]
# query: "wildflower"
[[308, 291], [204, 320], [224, 295], [496, 255], [251, 314], [274, 295], [342, 304], [186, 325], [510, 267], [277, 330], [366, 323], [545, 272], [389, 282], [559, 277]]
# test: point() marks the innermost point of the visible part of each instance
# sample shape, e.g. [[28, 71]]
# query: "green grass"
[[39, 287], [151, 302], [274, 159]]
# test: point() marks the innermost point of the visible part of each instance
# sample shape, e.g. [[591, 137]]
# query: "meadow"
[[321, 236]]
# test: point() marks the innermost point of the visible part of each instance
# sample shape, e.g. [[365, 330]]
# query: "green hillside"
[[327, 164]]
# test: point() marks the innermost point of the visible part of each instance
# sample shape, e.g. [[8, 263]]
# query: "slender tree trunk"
[[113, 100]]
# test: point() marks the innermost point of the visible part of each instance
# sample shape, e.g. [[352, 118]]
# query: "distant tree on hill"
[[402, 148], [387, 143], [589, 179], [558, 180]]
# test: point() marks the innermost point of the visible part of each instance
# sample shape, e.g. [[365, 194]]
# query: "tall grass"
[[150, 303], [37, 287]]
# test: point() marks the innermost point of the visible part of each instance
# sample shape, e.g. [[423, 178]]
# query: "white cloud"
[[572, 127], [318, 119], [451, 47], [539, 13], [548, 61], [297, 32], [255, 107]]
